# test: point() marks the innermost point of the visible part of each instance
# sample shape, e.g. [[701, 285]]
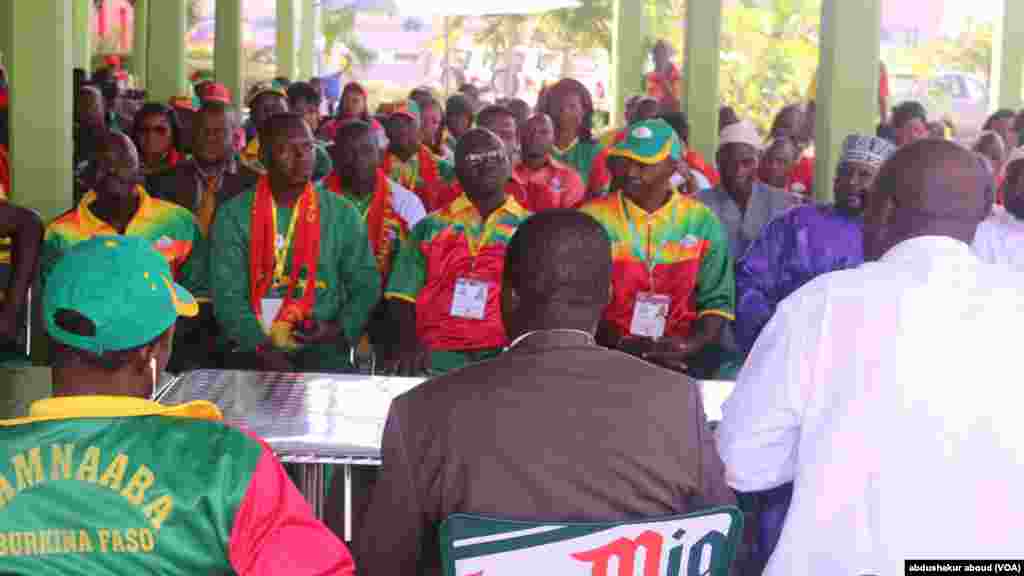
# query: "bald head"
[[928, 188], [117, 166], [557, 273]]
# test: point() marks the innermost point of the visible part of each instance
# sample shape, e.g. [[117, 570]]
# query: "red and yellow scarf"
[[263, 259], [380, 215], [425, 184]]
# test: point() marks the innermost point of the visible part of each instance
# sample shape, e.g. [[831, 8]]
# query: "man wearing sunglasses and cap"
[[672, 278], [446, 283], [808, 241], [85, 492]]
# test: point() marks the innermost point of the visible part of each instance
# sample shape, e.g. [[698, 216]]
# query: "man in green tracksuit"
[[292, 274]]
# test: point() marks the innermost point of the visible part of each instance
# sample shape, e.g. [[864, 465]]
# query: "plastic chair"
[[702, 543]]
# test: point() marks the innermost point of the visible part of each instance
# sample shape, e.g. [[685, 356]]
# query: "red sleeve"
[[574, 192], [883, 84], [600, 177], [275, 532]]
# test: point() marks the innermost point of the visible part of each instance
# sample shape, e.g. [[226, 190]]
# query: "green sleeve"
[[716, 285], [409, 273], [322, 165], [446, 169], [359, 274], [195, 273], [229, 275]]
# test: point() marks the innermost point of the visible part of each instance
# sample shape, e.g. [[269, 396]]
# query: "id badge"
[[470, 299], [269, 307], [649, 315]]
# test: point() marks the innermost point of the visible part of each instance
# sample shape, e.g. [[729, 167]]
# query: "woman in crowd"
[[157, 136], [570, 106], [353, 106]]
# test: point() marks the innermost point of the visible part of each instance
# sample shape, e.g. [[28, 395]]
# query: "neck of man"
[[565, 137], [284, 191], [539, 317], [116, 210], [79, 381], [536, 162], [212, 166], [155, 159], [488, 203], [655, 200], [362, 185], [403, 155], [741, 196]]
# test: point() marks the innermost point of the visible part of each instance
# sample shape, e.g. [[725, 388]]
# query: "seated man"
[[293, 278], [527, 435], [564, 187], [21, 231], [877, 391], [672, 280], [776, 167], [808, 241], [600, 177], [264, 102], [1000, 238], [410, 163], [458, 119], [119, 205], [446, 284], [85, 492]]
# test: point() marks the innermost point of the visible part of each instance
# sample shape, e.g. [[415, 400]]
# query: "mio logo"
[[706, 556]]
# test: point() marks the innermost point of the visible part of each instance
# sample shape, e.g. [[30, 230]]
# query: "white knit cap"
[[742, 132]]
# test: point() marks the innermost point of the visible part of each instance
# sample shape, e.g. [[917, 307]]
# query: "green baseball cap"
[[649, 142], [123, 286]]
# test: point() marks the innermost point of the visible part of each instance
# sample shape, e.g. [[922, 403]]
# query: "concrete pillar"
[[40, 114], [629, 53], [167, 76], [700, 73], [286, 38], [307, 41], [847, 98], [140, 44], [227, 54], [81, 34], [1008, 58]]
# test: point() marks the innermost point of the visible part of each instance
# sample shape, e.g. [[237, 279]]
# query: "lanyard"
[[281, 245], [650, 258]]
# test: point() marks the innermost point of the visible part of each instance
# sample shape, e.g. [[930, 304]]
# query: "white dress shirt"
[[1000, 239], [889, 394]]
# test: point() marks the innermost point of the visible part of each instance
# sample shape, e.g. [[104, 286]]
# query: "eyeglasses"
[[482, 158]]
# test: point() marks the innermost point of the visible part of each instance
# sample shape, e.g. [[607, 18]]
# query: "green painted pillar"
[[40, 118], [81, 34], [227, 54], [286, 38], [140, 43], [166, 76], [1008, 58], [306, 43], [629, 53], [700, 73], [847, 98]]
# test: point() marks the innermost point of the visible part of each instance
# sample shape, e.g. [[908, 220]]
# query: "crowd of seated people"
[[558, 285]]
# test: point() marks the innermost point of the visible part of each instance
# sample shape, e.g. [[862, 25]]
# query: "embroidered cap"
[[122, 286], [742, 132], [649, 142], [867, 150]]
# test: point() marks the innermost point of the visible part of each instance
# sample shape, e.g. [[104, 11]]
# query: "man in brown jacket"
[[556, 428]]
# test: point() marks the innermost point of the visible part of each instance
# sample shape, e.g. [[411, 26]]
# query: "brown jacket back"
[[554, 429]]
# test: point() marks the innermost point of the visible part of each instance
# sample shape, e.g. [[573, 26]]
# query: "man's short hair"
[[65, 356], [906, 112], [561, 256], [458, 105], [299, 91], [1001, 114], [491, 113]]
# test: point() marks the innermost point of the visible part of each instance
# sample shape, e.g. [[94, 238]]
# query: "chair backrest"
[[700, 544]]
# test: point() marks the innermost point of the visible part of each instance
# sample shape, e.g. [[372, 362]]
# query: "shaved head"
[[557, 273], [928, 188]]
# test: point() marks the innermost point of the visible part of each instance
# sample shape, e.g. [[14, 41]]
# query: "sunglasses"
[[485, 158]]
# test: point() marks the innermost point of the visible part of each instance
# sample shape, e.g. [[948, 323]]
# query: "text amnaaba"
[[32, 468]]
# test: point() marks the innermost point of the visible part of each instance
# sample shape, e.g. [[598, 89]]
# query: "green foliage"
[[339, 26]]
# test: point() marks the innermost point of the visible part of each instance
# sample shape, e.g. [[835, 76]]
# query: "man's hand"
[[274, 360], [673, 352], [413, 359], [310, 332]]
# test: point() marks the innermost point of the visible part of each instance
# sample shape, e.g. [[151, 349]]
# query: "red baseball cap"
[[216, 92]]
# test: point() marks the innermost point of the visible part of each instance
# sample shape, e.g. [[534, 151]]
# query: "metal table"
[[310, 420]]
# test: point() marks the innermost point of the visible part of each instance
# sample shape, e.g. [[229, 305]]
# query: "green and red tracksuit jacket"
[[119, 485]]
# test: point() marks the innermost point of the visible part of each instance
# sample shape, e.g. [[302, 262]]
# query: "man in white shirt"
[[883, 392], [1000, 238]]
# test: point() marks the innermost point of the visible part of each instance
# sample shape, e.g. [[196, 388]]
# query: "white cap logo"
[[643, 132]]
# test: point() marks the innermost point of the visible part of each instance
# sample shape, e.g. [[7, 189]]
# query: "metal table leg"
[[348, 502], [311, 484]]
